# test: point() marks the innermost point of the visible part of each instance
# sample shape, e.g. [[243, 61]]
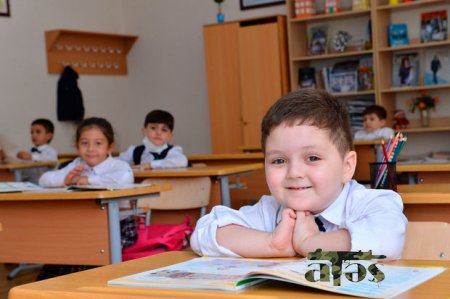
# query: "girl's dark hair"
[[312, 107], [96, 122]]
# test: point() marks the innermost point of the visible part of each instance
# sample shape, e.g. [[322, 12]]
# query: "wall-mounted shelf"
[[88, 52]]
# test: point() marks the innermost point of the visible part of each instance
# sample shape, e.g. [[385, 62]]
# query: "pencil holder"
[[383, 175]]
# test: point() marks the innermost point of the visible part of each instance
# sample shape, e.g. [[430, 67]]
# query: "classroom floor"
[[21, 278]]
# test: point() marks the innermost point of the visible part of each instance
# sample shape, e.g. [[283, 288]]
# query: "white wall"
[[166, 67]]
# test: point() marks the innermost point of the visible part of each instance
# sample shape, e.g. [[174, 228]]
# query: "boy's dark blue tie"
[[35, 150], [319, 224]]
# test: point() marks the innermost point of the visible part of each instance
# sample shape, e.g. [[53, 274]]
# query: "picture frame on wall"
[[4, 8], [250, 4]]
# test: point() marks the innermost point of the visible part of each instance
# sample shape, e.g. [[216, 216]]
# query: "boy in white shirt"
[[374, 125], [375, 128], [156, 152], [42, 131], [309, 164]]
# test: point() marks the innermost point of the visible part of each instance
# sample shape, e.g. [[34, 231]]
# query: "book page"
[[237, 273], [8, 187], [106, 187]]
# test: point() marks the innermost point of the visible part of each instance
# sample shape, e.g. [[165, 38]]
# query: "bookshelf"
[[381, 15]]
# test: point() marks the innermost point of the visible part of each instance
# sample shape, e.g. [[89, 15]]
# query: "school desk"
[[217, 173], [92, 284], [426, 202], [60, 227], [17, 169], [423, 173]]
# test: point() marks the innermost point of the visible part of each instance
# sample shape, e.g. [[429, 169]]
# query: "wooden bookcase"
[[381, 15], [247, 71], [88, 52]]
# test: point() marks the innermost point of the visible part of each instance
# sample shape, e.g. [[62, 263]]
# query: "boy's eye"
[[278, 161], [313, 158]]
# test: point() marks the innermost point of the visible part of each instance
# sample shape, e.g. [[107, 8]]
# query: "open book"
[[233, 274], [105, 187], [9, 187]]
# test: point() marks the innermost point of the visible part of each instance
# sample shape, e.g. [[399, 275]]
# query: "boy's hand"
[[145, 166], [73, 176], [282, 237], [24, 155], [305, 228]]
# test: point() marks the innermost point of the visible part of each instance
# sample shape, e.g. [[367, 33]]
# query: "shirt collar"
[[98, 168], [335, 212]]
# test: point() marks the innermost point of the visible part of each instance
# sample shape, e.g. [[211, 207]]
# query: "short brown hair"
[[377, 110], [313, 107]]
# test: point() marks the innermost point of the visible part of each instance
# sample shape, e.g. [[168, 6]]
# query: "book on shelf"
[[437, 66], [365, 74], [10, 187], [232, 274], [398, 35], [405, 69], [344, 77], [318, 40], [433, 26], [105, 187], [307, 77], [356, 108]]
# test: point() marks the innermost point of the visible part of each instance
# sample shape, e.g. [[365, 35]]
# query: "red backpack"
[[157, 238]]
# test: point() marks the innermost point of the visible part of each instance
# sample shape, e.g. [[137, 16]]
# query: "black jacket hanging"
[[69, 101]]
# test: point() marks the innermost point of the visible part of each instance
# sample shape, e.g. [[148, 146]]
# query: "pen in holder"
[[383, 175]]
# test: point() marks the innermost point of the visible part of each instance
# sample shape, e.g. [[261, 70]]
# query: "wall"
[[166, 67]]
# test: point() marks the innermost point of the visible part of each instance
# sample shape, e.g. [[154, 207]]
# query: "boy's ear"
[[143, 132], [383, 122], [49, 136], [349, 166], [111, 148]]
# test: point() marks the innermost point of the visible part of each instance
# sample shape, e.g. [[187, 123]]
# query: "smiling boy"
[[156, 152], [314, 203]]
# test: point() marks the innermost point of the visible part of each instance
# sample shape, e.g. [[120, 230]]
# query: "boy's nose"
[[295, 170]]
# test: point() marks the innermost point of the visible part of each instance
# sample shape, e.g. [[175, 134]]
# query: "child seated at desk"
[[375, 128], [42, 131], [309, 164], [95, 166], [156, 152], [374, 125]]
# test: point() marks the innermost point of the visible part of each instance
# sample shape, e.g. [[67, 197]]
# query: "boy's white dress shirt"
[[110, 171], [373, 217], [382, 133], [44, 153], [174, 159]]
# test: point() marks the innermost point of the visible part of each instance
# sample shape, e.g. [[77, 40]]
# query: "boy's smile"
[[304, 170]]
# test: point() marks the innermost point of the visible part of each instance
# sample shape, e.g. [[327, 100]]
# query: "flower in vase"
[[422, 102]]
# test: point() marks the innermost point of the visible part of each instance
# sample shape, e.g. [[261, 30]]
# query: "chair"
[[427, 241], [186, 193]]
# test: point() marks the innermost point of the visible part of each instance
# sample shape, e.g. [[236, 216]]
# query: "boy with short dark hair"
[[156, 152], [42, 131], [314, 203], [374, 125]]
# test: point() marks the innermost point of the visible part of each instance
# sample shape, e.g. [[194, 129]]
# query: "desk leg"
[[114, 232], [18, 175], [225, 191]]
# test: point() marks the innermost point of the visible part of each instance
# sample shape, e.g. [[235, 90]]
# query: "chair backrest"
[[427, 241], [186, 193]]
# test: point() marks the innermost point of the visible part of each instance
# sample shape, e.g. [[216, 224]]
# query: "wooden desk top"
[[59, 194], [27, 165], [425, 193], [217, 170], [93, 284], [432, 167]]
